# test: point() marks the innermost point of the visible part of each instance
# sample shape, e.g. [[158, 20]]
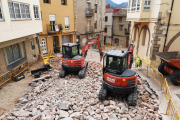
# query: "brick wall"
[[3, 63]]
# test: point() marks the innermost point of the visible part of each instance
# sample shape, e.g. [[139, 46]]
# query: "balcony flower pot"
[[57, 49]]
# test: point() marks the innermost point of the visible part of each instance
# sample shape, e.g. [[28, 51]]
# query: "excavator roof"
[[117, 53], [70, 44]]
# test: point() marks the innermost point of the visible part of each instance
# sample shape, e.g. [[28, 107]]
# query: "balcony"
[[90, 29], [54, 28], [89, 12]]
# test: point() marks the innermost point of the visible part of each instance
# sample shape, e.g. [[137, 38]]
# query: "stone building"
[[58, 21], [120, 29], [90, 17], [155, 27], [20, 21], [108, 25]]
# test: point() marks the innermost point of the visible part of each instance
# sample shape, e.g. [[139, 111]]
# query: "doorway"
[[44, 46]]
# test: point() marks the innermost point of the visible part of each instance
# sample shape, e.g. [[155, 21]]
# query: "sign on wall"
[[164, 28], [161, 35]]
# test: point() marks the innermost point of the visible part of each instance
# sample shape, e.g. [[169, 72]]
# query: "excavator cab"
[[70, 50]]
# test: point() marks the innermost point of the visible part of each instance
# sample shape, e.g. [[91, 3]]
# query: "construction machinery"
[[73, 61], [118, 76], [170, 65]]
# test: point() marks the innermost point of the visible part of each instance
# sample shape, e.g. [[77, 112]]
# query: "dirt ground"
[[12, 91]]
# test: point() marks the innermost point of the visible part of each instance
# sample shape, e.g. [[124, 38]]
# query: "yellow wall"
[[60, 11]]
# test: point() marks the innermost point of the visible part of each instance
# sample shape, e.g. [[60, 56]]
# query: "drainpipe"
[[168, 25]]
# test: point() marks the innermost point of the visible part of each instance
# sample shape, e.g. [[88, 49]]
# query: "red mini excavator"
[[74, 61], [118, 76]]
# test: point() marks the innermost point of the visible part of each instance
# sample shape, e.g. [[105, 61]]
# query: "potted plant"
[[57, 49], [60, 28]]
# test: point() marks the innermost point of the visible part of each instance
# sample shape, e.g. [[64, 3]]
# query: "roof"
[[70, 44], [117, 53], [122, 12]]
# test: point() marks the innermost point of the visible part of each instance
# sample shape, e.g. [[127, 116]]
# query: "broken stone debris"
[[72, 98]]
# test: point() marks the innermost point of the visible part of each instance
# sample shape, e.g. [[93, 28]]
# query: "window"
[[19, 11], [117, 41], [138, 5], [105, 29], [75, 50], [120, 19], [106, 18], [95, 24], [66, 22], [36, 12], [46, 1], [15, 52], [52, 19], [147, 4], [120, 27], [133, 5], [95, 8], [144, 36], [125, 63], [1, 15], [64, 2], [113, 63]]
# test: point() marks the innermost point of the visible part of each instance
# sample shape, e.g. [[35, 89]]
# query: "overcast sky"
[[119, 1]]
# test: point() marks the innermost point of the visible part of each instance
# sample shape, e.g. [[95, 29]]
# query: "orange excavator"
[[73, 61]]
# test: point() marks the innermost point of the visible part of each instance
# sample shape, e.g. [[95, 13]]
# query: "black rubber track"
[[82, 73], [62, 74], [161, 69], [102, 94], [174, 77], [132, 98]]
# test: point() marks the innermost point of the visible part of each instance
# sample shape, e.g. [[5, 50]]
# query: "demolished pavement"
[[72, 98]]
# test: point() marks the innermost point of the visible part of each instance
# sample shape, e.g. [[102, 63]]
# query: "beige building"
[[120, 29], [20, 21], [155, 27], [90, 17]]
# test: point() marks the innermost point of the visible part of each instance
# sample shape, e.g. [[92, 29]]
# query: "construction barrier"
[[5, 78], [153, 72], [172, 111], [167, 90], [19, 69]]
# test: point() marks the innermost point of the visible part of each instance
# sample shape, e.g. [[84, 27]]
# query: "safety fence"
[[153, 72], [5, 78], [109, 47], [158, 77], [19, 69]]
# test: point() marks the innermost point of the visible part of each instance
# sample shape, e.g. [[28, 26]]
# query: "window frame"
[[34, 9], [147, 5], [64, 1], [49, 2], [19, 4], [67, 26], [105, 18], [1, 19], [119, 27]]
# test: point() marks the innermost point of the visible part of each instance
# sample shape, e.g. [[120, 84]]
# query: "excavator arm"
[[130, 58], [88, 43]]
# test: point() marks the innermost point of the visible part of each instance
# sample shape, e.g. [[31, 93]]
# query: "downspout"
[[168, 25]]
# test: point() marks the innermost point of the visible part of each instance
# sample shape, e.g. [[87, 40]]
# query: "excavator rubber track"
[[62, 74], [132, 98], [82, 73]]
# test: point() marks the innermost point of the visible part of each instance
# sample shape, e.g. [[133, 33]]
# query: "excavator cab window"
[[113, 63], [75, 50], [70, 51], [125, 63]]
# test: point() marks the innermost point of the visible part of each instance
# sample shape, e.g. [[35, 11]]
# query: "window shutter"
[[52, 17], [66, 22]]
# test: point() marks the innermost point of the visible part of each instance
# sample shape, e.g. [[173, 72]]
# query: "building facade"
[[58, 21], [90, 17], [120, 29], [108, 25], [155, 27], [20, 21]]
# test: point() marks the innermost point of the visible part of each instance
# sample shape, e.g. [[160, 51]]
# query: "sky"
[[119, 1]]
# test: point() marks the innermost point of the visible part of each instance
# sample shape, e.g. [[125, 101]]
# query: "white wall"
[[12, 29]]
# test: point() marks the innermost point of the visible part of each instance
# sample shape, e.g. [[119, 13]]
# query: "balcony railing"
[[133, 8], [90, 29], [89, 12], [54, 28]]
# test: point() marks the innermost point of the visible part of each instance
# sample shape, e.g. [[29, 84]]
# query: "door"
[[44, 46], [52, 19], [66, 39]]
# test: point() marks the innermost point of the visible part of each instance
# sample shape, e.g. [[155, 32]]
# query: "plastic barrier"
[[5, 78], [167, 90]]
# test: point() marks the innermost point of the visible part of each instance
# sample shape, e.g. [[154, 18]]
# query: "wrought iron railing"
[[89, 12], [90, 29], [53, 28]]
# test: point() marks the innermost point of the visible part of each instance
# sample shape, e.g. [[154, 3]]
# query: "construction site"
[[51, 97]]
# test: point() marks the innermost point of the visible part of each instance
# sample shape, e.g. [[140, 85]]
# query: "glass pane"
[[23, 13], [113, 63], [16, 51], [9, 54], [149, 2], [125, 63], [74, 50], [11, 10], [27, 11], [17, 10], [145, 3]]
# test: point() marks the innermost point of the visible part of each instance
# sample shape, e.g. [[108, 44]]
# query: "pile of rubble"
[[72, 98]]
